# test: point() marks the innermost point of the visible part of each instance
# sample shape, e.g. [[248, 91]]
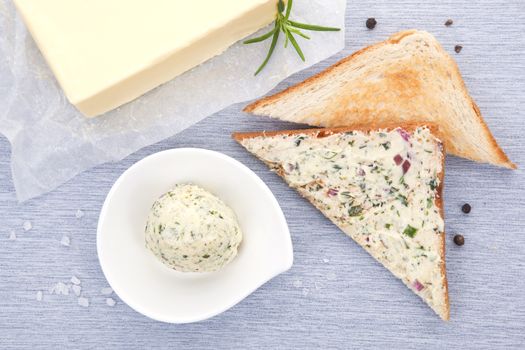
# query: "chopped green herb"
[[298, 140], [433, 184], [337, 167], [410, 231], [387, 226], [386, 145], [346, 194], [403, 199], [351, 143], [393, 189], [330, 155], [206, 256], [430, 203], [355, 210]]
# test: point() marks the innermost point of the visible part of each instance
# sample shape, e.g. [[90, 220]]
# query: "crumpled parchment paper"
[[51, 141]]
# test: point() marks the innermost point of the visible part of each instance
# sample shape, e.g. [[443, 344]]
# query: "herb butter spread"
[[380, 188], [191, 230]]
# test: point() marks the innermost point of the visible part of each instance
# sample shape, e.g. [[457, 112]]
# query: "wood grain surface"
[[335, 296]]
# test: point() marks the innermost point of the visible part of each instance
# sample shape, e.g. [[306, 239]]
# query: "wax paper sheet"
[[51, 141]]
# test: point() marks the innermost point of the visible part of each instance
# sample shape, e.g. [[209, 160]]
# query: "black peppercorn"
[[466, 208], [371, 23], [459, 240], [449, 22], [458, 48]]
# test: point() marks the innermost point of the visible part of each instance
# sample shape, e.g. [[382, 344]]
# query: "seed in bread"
[[381, 187]]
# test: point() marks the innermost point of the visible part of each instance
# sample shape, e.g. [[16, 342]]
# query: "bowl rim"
[[138, 307]]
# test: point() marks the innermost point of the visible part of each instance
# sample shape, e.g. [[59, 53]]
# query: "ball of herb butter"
[[191, 230]]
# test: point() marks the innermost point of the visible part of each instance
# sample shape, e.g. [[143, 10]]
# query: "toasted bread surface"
[[405, 79]]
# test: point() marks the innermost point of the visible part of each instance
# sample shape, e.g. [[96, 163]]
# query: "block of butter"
[[105, 53]]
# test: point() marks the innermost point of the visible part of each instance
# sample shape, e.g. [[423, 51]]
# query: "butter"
[[105, 53], [380, 188]]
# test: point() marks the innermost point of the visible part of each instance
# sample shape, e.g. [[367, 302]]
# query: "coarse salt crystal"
[[27, 226], [65, 241], [106, 291], [60, 289], [317, 285], [76, 290], [305, 291], [79, 214], [83, 302], [331, 276], [63, 288], [297, 284], [39, 295], [110, 302], [75, 280], [325, 260], [12, 235]]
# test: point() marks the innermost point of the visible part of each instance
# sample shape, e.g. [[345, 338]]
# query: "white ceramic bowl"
[[153, 289]]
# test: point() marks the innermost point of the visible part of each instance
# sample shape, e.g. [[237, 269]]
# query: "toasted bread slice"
[[381, 186], [407, 78]]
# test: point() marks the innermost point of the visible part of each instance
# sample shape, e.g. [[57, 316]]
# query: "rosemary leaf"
[[288, 9], [313, 27], [298, 32], [280, 5], [270, 52], [262, 37], [296, 46]]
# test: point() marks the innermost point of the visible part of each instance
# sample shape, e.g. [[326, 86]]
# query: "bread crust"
[[322, 132], [502, 158], [410, 127]]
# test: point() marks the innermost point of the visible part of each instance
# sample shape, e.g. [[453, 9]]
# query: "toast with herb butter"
[[381, 186], [407, 78]]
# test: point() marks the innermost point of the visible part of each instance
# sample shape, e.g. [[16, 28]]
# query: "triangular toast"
[[405, 79], [381, 186]]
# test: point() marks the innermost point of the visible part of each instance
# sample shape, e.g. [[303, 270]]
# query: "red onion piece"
[[332, 192], [405, 135], [418, 286], [406, 166], [398, 159]]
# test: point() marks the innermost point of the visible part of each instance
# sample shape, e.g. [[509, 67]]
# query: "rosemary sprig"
[[288, 28]]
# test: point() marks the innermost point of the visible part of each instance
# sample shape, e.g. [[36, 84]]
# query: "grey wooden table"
[[335, 296]]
